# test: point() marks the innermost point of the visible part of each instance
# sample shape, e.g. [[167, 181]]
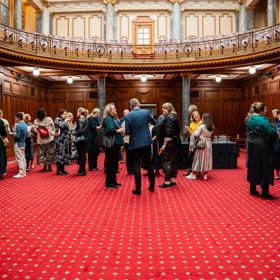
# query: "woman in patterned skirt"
[[46, 145], [201, 146], [62, 151]]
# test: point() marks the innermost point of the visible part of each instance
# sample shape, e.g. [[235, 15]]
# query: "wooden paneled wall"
[[262, 88], [71, 97], [19, 93], [220, 100], [228, 102]]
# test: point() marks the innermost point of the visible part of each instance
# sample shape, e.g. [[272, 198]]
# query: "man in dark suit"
[[137, 126]]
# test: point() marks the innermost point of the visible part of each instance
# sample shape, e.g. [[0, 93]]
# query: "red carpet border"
[[68, 227]]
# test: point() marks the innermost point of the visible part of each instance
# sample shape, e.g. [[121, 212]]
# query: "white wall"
[[205, 23], [86, 25]]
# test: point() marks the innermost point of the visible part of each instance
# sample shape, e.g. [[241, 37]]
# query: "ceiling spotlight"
[[143, 78], [252, 70], [36, 71], [69, 80], [218, 78]]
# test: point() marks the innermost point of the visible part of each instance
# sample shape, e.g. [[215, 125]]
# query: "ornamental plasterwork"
[[138, 4], [210, 4], [109, 1], [74, 6], [98, 5], [179, 1]]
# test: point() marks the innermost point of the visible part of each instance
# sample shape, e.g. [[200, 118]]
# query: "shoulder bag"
[[105, 140], [43, 132], [200, 143]]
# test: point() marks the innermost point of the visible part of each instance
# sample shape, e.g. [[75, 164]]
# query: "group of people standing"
[[137, 131], [58, 141]]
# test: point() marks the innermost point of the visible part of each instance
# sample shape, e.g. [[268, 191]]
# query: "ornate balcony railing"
[[224, 47]]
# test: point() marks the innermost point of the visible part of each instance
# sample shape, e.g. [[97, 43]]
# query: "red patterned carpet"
[[71, 227]]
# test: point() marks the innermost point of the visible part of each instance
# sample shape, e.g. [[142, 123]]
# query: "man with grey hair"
[[137, 126]]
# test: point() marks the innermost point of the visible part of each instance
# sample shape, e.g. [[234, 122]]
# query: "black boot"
[[82, 170], [253, 190], [59, 169], [49, 168], [63, 169], [265, 193], [109, 183]]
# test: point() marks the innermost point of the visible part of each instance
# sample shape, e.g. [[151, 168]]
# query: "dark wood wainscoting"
[[19, 93], [220, 100], [228, 102]]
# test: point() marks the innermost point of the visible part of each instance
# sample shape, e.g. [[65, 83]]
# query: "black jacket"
[[171, 127], [82, 127]]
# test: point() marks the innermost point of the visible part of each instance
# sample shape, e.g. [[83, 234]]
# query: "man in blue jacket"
[[137, 126]]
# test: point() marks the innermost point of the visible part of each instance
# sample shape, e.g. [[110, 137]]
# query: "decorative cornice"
[[109, 1], [174, 1]]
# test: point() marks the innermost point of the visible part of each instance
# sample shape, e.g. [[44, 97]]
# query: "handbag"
[[5, 140], [105, 140], [77, 139], [43, 132], [200, 144]]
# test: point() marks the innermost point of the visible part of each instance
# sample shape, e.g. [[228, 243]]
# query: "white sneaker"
[[191, 177], [18, 176], [205, 177]]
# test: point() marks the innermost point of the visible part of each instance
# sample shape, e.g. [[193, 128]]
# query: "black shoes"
[[165, 185], [151, 189], [111, 186], [117, 184], [268, 196], [136, 192], [173, 183], [82, 173]]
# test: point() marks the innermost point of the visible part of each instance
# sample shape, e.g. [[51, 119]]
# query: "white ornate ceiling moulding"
[[210, 5], [109, 1], [179, 1], [136, 5], [80, 6]]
